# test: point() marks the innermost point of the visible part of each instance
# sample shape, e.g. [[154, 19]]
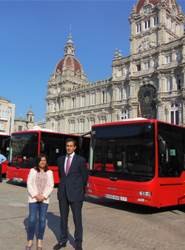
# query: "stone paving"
[[107, 224]]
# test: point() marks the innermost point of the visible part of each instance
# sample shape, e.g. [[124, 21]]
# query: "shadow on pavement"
[[53, 223], [130, 207], [11, 182]]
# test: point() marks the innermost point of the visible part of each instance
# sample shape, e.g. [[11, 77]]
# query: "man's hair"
[[70, 139]]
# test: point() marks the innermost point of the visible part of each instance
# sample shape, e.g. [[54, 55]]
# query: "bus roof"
[[4, 134], [133, 120], [42, 130]]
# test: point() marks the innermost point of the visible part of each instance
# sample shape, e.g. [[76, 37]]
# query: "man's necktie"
[[68, 164]]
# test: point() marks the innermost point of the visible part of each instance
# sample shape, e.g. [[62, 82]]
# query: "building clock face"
[[147, 10]]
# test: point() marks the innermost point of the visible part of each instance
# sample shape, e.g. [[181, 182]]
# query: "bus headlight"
[[88, 184], [143, 193]]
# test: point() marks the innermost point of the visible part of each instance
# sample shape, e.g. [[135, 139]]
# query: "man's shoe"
[[79, 248], [59, 245]]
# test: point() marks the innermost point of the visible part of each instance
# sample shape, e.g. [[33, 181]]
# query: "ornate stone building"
[[21, 124], [150, 82]]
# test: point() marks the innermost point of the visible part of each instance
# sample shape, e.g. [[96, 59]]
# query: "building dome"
[[140, 4], [69, 62]]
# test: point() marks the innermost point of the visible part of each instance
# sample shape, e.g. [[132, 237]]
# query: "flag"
[[140, 110]]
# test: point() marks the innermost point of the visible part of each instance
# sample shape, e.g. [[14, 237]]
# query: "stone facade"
[[7, 114], [150, 82], [21, 124]]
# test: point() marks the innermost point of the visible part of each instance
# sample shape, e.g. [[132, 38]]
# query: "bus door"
[[171, 165]]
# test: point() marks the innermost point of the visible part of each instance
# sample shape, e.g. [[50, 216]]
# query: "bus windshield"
[[23, 149], [124, 151], [4, 145]]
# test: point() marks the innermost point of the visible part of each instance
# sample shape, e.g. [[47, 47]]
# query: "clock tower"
[[155, 23]]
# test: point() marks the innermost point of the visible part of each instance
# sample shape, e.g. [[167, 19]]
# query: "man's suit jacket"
[[72, 185]]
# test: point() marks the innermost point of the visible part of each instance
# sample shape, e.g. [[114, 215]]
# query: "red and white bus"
[[26, 145], [4, 146], [138, 161]]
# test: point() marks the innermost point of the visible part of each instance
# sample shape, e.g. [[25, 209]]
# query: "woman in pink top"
[[40, 184]]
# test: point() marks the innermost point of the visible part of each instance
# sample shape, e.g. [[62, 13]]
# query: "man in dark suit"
[[73, 176]]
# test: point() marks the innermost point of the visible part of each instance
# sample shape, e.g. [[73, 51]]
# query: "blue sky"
[[32, 39]]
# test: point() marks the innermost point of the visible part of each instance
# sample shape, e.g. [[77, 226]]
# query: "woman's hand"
[[39, 198]]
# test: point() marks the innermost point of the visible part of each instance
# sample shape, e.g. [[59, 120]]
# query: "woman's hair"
[[38, 159]]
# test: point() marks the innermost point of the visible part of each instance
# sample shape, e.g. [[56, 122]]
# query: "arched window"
[[174, 114], [92, 122], [127, 91], [82, 126], [104, 96], [72, 126], [179, 81], [103, 119], [120, 93]]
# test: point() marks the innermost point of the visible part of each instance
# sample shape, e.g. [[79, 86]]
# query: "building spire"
[[69, 48]]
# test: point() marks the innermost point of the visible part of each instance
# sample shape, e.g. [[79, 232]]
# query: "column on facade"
[[151, 61], [181, 29], [161, 112], [87, 94], [98, 95], [183, 51], [174, 85], [54, 104], [161, 81], [131, 68], [167, 112], [113, 117], [133, 28], [180, 114], [183, 78], [48, 106], [173, 55], [142, 64], [132, 90], [57, 104], [151, 22], [183, 113], [51, 105], [77, 100], [142, 25], [72, 101], [134, 110], [114, 93], [160, 59]]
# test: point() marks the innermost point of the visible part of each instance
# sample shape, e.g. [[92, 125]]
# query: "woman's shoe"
[[28, 247], [39, 248]]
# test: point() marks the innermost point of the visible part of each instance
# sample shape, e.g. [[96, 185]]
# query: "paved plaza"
[[107, 224]]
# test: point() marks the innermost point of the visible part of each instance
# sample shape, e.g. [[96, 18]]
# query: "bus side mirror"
[[80, 142], [161, 145], [4, 143], [81, 139]]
